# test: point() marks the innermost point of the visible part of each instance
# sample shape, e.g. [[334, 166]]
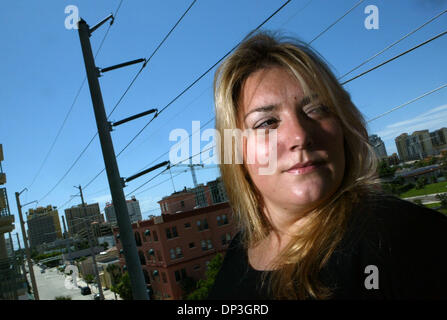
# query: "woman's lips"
[[306, 168]]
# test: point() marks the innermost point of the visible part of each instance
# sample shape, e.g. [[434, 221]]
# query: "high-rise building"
[[379, 146], [43, 225], [439, 139], [420, 144], [80, 217], [133, 208]]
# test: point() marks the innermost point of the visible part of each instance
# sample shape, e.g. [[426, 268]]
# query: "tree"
[[385, 170], [188, 285], [204, 286], [421, 182], [442, 199], [89, 279], [115, 274], [123, 288]]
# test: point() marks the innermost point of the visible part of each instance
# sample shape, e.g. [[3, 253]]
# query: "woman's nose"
[[297, 133]]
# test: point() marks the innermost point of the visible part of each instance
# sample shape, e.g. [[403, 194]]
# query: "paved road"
[[426, 199], [53, 283]]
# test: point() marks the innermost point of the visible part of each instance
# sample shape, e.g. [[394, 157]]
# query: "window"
[[155, 236], [192, 245], [199, 225], [187, 225], [210, 244], [182, 203], [172, 252], [174, 232], [171, 233], [180, 274], [168, 233], [179, 252], [226, 239], [177, 276], [163, 276], [218, 221], [205, 224], [203, 243], [159, 257], [225, 219], [196, 267]]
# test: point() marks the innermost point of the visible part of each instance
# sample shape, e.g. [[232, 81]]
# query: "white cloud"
[[431, 120]]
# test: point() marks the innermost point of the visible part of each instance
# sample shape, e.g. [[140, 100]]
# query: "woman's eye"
[[266, 124], [317, 111]]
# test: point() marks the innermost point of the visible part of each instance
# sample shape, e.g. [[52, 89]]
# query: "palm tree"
[[115, 272]]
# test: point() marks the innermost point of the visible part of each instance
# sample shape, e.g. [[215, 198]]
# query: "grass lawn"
[[428, 189], [435, 205]]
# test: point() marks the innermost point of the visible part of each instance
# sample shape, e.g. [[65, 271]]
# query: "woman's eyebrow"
[[307, 100], [261, 109]]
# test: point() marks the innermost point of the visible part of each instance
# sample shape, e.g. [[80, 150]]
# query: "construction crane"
[[193, 171]]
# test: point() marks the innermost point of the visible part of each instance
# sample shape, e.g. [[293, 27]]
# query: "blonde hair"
[[298, 265]]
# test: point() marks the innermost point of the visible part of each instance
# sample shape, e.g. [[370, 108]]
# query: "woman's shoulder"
[[398, 215], [406, 241]]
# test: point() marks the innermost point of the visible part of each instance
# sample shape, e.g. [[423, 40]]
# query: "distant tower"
[[379, 146]]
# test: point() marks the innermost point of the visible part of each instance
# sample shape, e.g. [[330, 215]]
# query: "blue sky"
[[42, 69]]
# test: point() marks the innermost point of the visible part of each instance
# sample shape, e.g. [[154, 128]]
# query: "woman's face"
[[310, 158]]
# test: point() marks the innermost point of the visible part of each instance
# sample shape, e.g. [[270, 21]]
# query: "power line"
[[336, 21], [395, 57], [119, 101], [190, 86], [407, 103], [170, 166], [73, 103], [393, 44]]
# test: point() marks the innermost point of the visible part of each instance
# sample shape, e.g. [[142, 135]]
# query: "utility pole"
[[92, 252], [14, 266], [27, 250], [21, 258], [139, 290]]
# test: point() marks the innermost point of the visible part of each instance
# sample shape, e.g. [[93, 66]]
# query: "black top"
[[406, 242]]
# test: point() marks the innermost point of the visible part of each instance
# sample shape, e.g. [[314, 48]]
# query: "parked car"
[[97, 296], [85, 291], [41, 271]]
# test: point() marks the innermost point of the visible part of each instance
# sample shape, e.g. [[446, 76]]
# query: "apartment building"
[[43, 225], [379, 146], [175, 246], [80, 217], [133, 208]]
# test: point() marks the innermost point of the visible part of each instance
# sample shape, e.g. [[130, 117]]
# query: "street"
[[51, 284]]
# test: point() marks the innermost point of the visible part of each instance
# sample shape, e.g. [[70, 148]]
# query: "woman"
[[317, 226]]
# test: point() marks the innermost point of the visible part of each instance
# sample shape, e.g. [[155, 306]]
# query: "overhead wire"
[[116, 105], [73, 103], [395, 57], [336, 21], [190, 86], [393, 44]]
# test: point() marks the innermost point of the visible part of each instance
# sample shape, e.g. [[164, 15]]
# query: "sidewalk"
[[108, 294]]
